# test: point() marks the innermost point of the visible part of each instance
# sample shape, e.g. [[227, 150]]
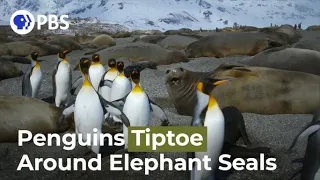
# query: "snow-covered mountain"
[[175, 14]]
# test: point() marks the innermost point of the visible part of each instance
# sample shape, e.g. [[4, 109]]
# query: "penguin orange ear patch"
[[219, 82], [85, 61], [65, 51]]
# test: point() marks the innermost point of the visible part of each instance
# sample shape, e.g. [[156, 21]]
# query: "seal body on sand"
[[103, 40], [9, 70], [16, 59], [293, 59], [65, 43], [122, 34], [256, 90], [313, 28], [25, 48], [230, 43], [142, 52], [149, 38], [176, 42], [312, 44], [31, 114]]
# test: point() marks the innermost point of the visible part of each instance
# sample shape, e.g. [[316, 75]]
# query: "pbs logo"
[[22, 22]]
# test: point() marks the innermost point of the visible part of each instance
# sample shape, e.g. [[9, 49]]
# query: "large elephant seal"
[[142, 52], [65, 43], [25, 48], [121, 34], [312, 44], [176, 42], [23, 113], [228, 44], [256, 90], [293, 59], [9, 70], [103, 40], [149, 38], [16, 59], [313, 28]]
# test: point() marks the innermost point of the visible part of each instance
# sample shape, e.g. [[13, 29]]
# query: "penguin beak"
[[223, 80]]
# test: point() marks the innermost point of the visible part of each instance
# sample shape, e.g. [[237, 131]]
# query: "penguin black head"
[[63, 54], [120, 66], [95, 58], [84, 65], [135, 76], [34, 56], [112, 63], [206, 85]]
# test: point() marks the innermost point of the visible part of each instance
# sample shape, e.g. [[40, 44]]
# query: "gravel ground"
[[274, 131]]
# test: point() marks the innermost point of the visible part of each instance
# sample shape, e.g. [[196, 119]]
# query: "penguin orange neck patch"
[[96, 63], [64, 60], [86, 81], [137, 89], [37, 65], [113, 69], [212, 102]]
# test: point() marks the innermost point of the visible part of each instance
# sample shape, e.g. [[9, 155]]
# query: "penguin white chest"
[[95, 74], [214, 121], [121, 86], [105, 91], [88, 112], [63, 82], [36, 80], [137, 109]]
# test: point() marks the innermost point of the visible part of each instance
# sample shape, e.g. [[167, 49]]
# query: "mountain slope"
[[174, 14]]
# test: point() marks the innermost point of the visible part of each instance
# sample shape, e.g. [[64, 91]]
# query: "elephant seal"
[[103, 40], [257, 90], [65, 43], [149, 38], [35, 115], [228, 44], [142, 52], [176, 42], [311, 162], [121, 34], [292, 59], [313, 28], [312, 44], [9, 70], [16, 59], [25, 48]]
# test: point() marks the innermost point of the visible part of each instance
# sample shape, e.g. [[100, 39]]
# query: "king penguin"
[[32, 79], [137, 106], [121, 86], [62, 80], [90, 108], [96, 71], [214, 121], [111, 74]]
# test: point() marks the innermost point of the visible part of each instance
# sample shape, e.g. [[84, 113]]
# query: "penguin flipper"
[[54, 82], [26, 85], [107, 83], [159, 113], [114, 110], [307, 131]]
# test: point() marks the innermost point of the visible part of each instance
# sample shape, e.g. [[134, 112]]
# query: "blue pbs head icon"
[[22, 22]]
